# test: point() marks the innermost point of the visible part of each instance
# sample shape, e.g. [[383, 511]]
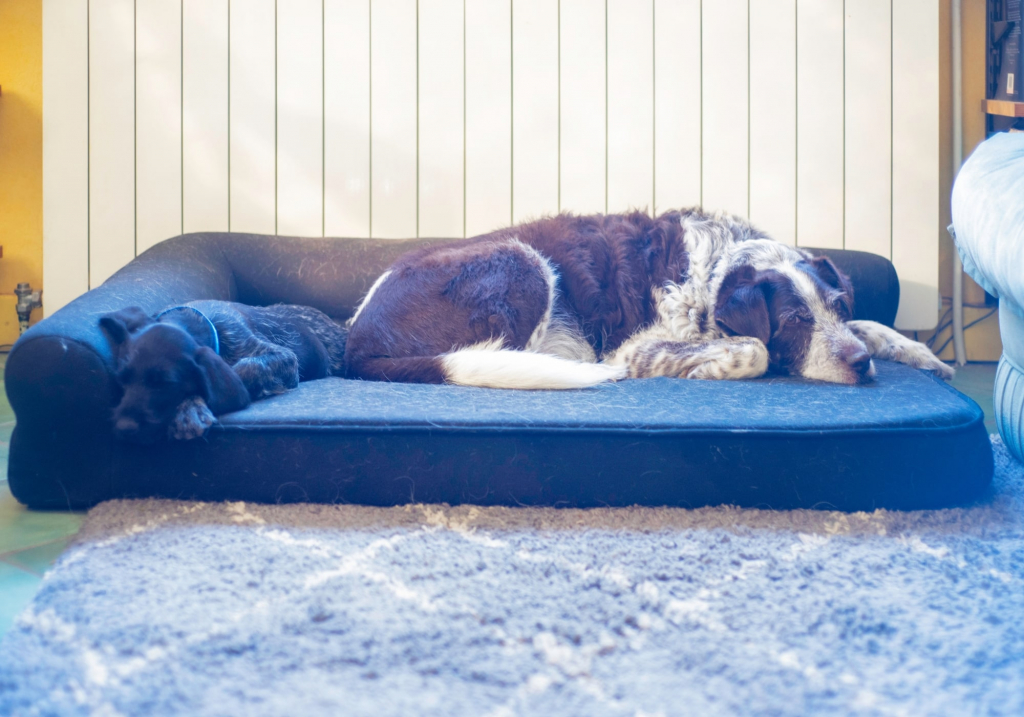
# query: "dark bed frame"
[[907, 441]]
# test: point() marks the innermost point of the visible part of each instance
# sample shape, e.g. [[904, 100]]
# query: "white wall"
[[818, 119]]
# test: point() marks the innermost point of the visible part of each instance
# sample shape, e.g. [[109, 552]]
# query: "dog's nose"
[[859, 361]]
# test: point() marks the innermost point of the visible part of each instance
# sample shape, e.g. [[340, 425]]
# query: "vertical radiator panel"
[[488, 115], [725, 106], [915, 160], [347, 118], [868, 126], [630, 105], [773, 118], [393, 118], [158, 155], [441, 119], [204, 131], [582, 96], [677, 104], [818, 119], [300, 118], [819, 172], [253, 117], [534, 108], [65, 151], [111, 137]]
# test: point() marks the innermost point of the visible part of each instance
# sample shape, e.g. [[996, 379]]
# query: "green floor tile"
[[30, 541], [39, 559], [976, 380], [22, 528], [17, 588], [6, 414]]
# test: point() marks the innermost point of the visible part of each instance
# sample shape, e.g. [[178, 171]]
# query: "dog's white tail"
[[489, 366]]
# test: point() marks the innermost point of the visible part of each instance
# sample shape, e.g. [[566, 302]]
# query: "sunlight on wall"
[[21, 155]]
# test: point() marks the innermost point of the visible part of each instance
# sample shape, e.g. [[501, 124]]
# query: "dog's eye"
[[798, 318], [841, 305]]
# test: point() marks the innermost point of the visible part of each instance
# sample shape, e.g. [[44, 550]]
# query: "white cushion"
[[988, 216]]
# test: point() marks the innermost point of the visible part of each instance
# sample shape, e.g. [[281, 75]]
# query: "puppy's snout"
[[126, 427], [133, 430]]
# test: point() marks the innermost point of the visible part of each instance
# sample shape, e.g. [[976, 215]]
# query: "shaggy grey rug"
[[165, 607]]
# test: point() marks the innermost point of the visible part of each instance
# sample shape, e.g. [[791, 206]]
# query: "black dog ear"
[[830, 274], [118, 325], [742, 308], [219, 385]]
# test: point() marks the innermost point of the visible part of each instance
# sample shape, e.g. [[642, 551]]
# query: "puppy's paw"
[[276, 385], [192, 419], [291, 380], [265, 377]]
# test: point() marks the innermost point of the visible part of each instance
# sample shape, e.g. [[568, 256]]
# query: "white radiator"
[[817, 119]]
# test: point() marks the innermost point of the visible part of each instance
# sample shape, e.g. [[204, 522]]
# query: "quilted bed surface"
[[905, 441], [900, 397]]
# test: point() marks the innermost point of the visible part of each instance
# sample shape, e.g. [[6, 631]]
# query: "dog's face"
[[799, 308], [158, 371], [162, 371]]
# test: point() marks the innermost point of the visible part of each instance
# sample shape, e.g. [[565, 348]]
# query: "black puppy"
[[184, 366]]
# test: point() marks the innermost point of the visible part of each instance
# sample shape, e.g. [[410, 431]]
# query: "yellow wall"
[[21, 154]]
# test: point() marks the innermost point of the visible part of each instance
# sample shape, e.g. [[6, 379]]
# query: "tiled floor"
[[30, 541], [977, 380]]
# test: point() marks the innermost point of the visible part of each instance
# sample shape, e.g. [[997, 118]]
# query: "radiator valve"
[[27, 300]]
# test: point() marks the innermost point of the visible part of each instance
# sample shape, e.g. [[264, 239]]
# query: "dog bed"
[[907, 441]]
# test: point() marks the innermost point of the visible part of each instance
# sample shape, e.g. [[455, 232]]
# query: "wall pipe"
[[959, 348]]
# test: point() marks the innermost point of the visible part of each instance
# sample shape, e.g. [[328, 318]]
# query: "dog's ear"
[[742, 308], [119, 325], [219, 385], [830, 274]]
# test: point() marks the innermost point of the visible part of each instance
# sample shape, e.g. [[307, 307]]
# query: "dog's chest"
[[686, 309]]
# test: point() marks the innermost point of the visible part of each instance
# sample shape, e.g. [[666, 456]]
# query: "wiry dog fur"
[[687, 294], [175, 384]]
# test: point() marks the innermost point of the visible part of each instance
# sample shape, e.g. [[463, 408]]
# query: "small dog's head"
[[159, 367], [799, 308]]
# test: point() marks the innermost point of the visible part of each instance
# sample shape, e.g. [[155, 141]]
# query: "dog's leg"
[[192, 420], [270, 370], [732, 357], [885, 343]]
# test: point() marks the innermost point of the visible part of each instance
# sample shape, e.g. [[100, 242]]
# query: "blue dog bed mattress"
[[906, 441]]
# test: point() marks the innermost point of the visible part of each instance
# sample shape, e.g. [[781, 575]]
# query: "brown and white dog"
[[569, 301]]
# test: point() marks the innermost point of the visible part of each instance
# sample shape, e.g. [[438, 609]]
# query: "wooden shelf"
[[1004, 108]]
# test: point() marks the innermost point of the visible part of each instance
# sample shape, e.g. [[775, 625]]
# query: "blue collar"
[[213, 329]]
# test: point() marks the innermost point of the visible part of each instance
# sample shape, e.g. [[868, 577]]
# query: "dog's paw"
[[939, 368], [268, 376], [192, 419], [913, 353], [276, 385], [731, 358]]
